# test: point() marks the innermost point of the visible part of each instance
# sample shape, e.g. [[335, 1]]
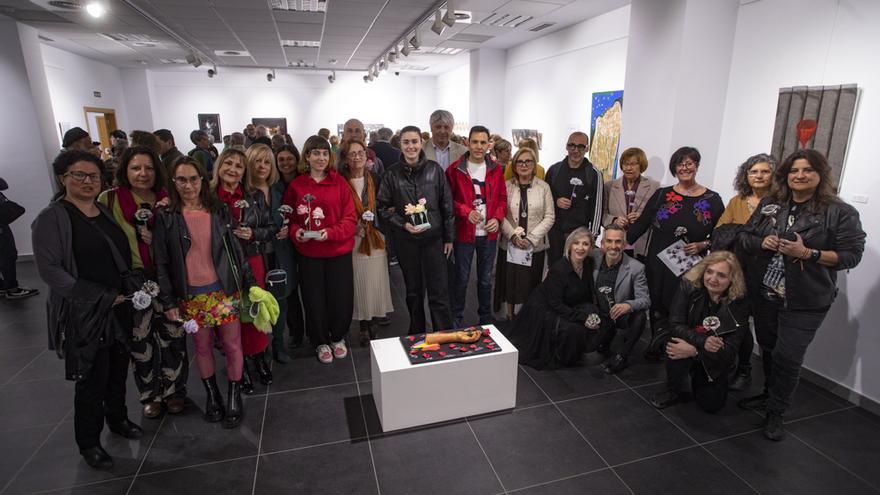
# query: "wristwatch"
[[815, 254]]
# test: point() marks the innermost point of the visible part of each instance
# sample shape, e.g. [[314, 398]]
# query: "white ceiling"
[[353, 33]]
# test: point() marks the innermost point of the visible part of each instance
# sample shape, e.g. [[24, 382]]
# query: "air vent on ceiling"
[[471, 38], [299, 5], [40, 36], [500, 19], [65, 4], [542, 26], [301, 64], [439, 50], [232, 53], [146, 40], [410, 67], [301, 44], [172, 60]]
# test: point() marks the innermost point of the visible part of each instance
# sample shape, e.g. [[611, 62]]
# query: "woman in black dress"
[[686, 211], [561, 320]]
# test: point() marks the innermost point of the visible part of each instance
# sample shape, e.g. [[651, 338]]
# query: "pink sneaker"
[[324, 354], [339, 350]]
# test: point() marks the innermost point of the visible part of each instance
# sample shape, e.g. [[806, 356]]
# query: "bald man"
[[354, 129]]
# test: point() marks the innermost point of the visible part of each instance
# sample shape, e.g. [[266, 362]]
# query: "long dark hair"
[[826, 192], [206, 196], [128, 155]]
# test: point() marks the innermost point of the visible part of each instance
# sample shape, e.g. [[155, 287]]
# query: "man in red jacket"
[[479, 199]]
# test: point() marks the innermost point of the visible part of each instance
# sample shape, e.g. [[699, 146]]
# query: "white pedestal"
[[409, 395]]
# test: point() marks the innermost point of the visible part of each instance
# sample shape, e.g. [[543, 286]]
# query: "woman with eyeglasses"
[[254, 230], [372, 287], [78, 249], [752, 182], [202, 273], [530, 215], [322, 228], [158, 346], [625, 197], [686, 212]]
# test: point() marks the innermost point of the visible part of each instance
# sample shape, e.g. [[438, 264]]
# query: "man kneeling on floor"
[[623, 293]]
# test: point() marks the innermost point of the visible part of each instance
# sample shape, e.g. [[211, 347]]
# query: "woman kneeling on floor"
[[709, 320]]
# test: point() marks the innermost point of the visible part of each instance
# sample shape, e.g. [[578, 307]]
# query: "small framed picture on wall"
[[210, 123]]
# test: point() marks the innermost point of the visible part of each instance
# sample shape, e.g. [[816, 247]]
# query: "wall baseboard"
[[841, 391]]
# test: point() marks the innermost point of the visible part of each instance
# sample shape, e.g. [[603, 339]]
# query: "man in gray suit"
[[623, 293], [439, 148]]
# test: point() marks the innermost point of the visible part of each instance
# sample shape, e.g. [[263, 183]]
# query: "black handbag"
[[132, 279], [10, 211]]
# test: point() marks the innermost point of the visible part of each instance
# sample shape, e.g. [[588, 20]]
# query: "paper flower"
[[308, 197], [190, 326], [411, 209], [712, 323], [285, 209], [423, 201], [593, 321], [629, 193], [519, 232], [770, 210], [318, 213], [151, 288], [576, 182], [368, 216], [141, 300], [241, 204], [302, 210], [143, 215], [681, 231], [478, 202]]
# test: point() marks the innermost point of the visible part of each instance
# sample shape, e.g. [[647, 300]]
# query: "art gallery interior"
[[693, 72]]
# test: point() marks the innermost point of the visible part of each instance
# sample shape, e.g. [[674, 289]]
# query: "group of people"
[[178, 243]]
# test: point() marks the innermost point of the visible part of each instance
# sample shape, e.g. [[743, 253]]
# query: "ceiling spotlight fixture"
[[366, 79], [212, 72], [375, 71], [271, 76], [416, 40], [370, 76], [393, 54], [194, 60], [95, 9], [449, 16], [437, 27], [405, 50], [332, 77]]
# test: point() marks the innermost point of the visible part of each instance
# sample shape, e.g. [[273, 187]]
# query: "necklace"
[[688, 191]]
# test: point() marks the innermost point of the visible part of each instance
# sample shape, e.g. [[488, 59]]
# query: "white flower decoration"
[[141, 300], [241, 204], [576, 181], [711, 323], [151, 288], [770, 210], [368, 216], [143, 215], [190, 326], [285, 209], [593, 321]]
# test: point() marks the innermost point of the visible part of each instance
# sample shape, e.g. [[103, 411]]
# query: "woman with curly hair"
[[708, 319]]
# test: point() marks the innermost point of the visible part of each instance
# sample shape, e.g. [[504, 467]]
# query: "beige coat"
[[455, 151], [541, 213], [615, 204]]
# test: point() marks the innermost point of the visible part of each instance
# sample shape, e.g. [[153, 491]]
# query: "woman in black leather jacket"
[[202, 272], [708, 319], [797, 240], [255, 231], [416, 181]]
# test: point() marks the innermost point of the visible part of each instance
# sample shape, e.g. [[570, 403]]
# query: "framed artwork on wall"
[[606, 112], [275, 125], [520, 134], [210, 123]]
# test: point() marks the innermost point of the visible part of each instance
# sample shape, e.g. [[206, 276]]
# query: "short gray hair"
[[236, 138], [384, 134], [442, 116]]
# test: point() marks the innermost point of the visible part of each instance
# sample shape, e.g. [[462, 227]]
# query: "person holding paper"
[[530, 215], [687, 212]]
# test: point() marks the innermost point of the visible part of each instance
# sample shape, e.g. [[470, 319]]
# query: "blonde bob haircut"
[[227, 153], [518, 154], [737, 289], [256, 152], [575, 235], [316, 143]]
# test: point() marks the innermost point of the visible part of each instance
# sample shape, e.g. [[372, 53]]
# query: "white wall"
[[825, 42], [453, 94], [73, 79], [308, 102], [551, 80]]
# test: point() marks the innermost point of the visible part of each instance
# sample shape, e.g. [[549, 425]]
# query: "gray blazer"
[[615, 204], [455, 151], [631, 286]]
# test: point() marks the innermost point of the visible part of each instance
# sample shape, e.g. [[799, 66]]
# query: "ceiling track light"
[[194, 60], [438, 26], [449, 16], [405, 50], [332, 77], [212, 72], [416, 40], [271, 76]]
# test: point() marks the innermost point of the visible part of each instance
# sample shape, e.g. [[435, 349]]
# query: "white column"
[[488, 68]]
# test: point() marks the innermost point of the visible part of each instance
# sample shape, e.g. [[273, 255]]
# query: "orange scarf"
[[372, 239]]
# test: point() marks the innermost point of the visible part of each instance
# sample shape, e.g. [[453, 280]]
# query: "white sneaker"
[[339, 350], [324, 354]]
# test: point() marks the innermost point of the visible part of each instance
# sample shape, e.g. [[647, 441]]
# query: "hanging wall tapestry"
[[605, 131], [817, 117]]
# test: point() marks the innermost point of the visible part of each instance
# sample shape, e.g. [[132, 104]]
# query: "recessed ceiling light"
[[333, 61], [95, 9], [301, 43]]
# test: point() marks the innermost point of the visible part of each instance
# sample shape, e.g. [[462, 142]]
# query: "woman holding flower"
[[249, 209], [322, 228], [530, 215], [372, 288], [202, 273], [686, 211], [158, 346], [625, 198]]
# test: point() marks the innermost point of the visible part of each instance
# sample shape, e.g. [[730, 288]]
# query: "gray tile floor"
[[315, 431]]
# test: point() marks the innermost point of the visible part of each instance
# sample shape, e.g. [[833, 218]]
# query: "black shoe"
[[234, 406], [614, 364], [741, 381], [604, 349], [214, 406], [754, 403], [263, 370], [365, 333], [21, 293], [773, 429], [382, 320], [666, 398], [247, 385], [657, 348], [97, 457], [126, 429]]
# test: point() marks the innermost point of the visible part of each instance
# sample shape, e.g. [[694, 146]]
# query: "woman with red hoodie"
[[322, 228]]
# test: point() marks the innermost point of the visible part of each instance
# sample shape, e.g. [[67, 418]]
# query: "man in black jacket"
[[383, 149], [415, 203], [168, 151]]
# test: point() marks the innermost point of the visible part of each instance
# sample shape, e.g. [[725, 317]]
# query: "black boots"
[[214, 405], [368, 332], [234, 406], [97, 457], [262, 368], [247, 385], [773, 429]]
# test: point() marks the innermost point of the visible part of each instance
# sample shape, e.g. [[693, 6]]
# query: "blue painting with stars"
[[605, 118]]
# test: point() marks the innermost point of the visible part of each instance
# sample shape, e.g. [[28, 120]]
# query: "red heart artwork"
[[806, 129]]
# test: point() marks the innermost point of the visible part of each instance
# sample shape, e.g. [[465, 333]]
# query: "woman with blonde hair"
[[708, 321]]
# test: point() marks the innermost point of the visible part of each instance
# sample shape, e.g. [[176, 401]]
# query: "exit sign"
[[96, 94]]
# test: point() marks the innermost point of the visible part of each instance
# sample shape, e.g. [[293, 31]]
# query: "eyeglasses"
[[579, 147], [759, 172], [183, 181], [687, 164], [525, 163], [631, 164], [82, 176], [357, 154]]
